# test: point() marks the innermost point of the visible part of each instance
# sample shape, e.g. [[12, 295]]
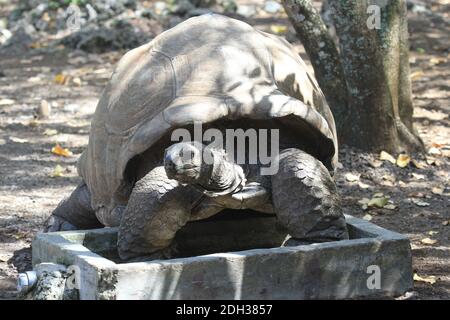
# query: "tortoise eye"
[[187, 154]]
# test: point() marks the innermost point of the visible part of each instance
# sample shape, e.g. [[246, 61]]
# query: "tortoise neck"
[[222, 176]]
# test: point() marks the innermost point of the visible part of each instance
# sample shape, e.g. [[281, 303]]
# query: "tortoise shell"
[[205, 69]]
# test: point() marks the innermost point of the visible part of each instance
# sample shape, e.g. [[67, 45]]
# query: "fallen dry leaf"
[[101, 70], [44, 109], [57, 171], [58, 150], [437, 60], [433, 161], [438, 191], [446, 223], [77, 60], [420, 203], [418, 176], [434, 151], [378, 202], [390, 207], [18, 140], [428, 241], [34, 79], [77, 81], [416, 194], [350, 177], [417, 75], [430, 279], [363, 185], [33, 123], [387, 157], [430, 160], [438, 145], [50, 132], [278, 29], [403, 160], [364, 201], [61, 79], [388, 177], [368, 217], [4, 257], [418, 164], [376, 163], [388, 183], [36, 45], [378, 195], [6, 102]]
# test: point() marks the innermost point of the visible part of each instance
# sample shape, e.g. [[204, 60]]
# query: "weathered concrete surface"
[[51, 283], [333, 270]]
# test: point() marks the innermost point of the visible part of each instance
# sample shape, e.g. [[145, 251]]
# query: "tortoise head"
[[183, 161], [207, 169]]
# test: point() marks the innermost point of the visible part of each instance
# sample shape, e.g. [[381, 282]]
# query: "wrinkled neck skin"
[[222, 177]]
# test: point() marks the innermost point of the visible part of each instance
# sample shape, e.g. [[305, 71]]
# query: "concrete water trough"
[[237, 258]]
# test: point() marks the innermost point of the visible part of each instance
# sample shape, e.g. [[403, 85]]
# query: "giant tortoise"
[[224, 74]]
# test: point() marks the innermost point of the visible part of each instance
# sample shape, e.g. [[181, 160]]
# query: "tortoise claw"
[[55, 223]]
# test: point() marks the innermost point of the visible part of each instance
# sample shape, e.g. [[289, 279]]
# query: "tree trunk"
[[378, 111], [324, 56]]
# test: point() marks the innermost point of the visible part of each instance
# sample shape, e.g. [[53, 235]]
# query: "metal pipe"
[[26, 281]]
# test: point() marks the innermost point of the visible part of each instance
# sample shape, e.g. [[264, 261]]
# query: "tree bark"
[[324, 56], [375, 63]]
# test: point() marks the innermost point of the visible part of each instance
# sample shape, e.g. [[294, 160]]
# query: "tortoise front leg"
[[158, 207], [306, 200]]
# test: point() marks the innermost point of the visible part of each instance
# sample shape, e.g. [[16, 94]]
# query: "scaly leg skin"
[[158, 207], [306, 200], [73, 213]]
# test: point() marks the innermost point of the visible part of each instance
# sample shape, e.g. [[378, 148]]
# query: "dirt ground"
[[31, 184]]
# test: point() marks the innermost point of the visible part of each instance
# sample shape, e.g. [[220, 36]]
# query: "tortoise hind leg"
[[158, 207], [73, 213], [306, 200]]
